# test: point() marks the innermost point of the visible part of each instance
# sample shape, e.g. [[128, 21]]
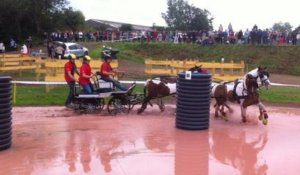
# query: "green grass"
[[37, 96], [278, 59], [281, 95]]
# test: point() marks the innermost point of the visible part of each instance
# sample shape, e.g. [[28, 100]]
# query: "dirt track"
[[55, 140]]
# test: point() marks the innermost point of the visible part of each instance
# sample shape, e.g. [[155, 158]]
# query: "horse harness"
[[237, 97]]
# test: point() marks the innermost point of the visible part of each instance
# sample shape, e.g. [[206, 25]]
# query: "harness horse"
[[160, 87], [243, 91]]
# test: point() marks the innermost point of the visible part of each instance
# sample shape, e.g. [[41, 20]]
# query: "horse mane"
[[251, 84], [196, 69]]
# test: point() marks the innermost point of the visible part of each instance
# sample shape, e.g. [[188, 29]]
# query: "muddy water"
[[56, 141]]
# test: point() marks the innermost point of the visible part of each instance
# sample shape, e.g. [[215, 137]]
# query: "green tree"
[[183, 16], [282, 27], [73, 20], [21, 18]]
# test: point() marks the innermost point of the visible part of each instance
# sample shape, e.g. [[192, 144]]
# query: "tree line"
[[22, 18]]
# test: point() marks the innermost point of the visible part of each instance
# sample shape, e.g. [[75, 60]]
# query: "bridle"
[[261, 75]]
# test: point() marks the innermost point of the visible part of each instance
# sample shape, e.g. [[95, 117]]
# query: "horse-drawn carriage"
[[118, 101]]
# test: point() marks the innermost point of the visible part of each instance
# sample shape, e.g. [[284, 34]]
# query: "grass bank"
[[279, 59], [37, 96]]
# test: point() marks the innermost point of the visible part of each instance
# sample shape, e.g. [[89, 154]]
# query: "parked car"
[[65, 49]]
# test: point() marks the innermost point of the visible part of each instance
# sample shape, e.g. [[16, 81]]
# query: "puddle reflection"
[[131, 146], [191, 152], [239, 151]]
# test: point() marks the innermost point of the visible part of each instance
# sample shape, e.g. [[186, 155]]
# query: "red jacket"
[[105, 67], [69, 66], [86, 69]]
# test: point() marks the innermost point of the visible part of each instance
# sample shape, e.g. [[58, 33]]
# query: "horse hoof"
[[265, 121], [260, 117]]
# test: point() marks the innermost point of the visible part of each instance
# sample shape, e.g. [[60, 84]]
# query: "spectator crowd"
[[221, 36], [205, 38]]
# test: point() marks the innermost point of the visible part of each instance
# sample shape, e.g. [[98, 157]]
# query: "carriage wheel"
[[118, 105], [90, 105], [90, 108]]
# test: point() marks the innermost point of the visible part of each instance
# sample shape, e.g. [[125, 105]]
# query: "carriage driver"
[[70, 69], [106, 71], [85, 75]]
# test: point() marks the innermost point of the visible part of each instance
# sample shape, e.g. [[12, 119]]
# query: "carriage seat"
[[103, 85]]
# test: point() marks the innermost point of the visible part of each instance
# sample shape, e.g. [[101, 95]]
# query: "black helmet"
[[105, 54]]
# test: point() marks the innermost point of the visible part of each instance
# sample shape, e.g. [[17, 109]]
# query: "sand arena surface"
[[57, 141]]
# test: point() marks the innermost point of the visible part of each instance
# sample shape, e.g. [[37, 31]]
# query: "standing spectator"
[[298, 38], [80, 36], [70, 69], [265, 36], [246, 36], [49, 47], [29, 44], [2, 47], [225, 35], [65, 36], [85, 75], [240, 36], [24, 50], [12, 44], [59, 51], [294, 37]]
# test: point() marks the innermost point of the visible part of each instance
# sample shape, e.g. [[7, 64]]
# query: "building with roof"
[[115, 26]]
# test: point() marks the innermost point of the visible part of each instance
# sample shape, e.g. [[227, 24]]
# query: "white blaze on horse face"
[[266, 81], [172, 87]]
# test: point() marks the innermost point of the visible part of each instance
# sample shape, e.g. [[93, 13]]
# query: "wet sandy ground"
[[56, 141]]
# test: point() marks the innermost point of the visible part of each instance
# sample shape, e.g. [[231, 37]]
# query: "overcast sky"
[[241, 13]]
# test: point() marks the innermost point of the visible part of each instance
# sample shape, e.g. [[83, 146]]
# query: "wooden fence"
[[16, 62], [219, 70], [48, 69], [54, 69]]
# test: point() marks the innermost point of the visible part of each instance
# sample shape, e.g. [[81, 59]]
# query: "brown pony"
[[244, 92], [158, 88]]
